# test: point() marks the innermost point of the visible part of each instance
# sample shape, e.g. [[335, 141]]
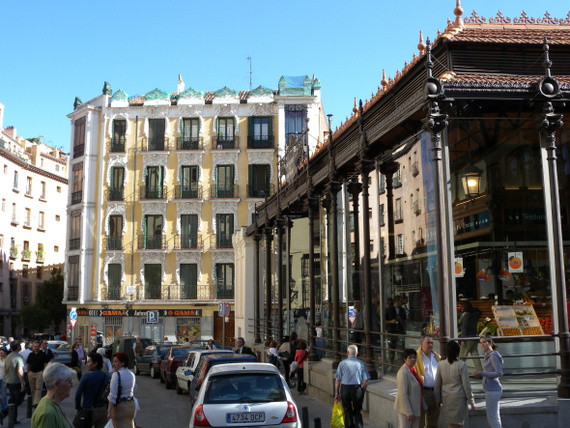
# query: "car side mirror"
[[188, 372]]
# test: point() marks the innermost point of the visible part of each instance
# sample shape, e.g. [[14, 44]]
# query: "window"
[[117, 183], [189, 176], [115, 238], [55, 249], [295, 122], [77, 189], [156, 134], [225, 230], [73, 278], [224, 181], [400, 244], [226, 133], [154, 182], [16, 180], [57, 217], [42, 162], [382, 183], [398, 210], [153, 232], [188, 281], [56, 167], [43, 187], [189, 231], [224, 280], [258, 183], [79, 138], [114, 277], [75, 230], [260, 130], [190, 134], [5, 169], [28, 220], [14, 216], [24, 271], [397, 178], [58, 189], [28, 186], [40, 253], [39, 272], [3, 205], [152, 279], [119, 136], [41, 220]]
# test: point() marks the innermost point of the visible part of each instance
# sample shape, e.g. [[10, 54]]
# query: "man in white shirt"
[[426, 367], [25, 353]]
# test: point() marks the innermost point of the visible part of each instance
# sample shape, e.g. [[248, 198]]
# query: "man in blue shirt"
[[91, 387], [350, 386]]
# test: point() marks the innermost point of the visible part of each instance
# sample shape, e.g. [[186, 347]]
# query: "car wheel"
[[136, 369], [178, 389], [152, 372]]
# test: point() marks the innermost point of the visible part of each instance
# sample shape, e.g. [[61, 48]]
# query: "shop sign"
[[473, 222], [139, 313], [516, 262], [527, 216], [459, 271]]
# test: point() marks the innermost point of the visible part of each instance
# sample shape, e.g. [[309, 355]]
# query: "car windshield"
[[63, 347], [244, 388], [179, 352]]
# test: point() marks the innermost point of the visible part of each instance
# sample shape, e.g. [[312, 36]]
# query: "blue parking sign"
[[152, 317]]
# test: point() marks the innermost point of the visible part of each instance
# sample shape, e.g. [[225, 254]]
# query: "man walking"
[[46, 350], [80, 350], [25, 350], [241, 348], [350, 386], [36, 363], [426, 368], [138, 347], [14, 377], [90, 388]]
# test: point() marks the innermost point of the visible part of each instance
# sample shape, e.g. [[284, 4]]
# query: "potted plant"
[[40, 255], [26, 253]]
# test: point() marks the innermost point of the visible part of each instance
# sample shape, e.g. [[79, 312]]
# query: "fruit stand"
[[517, 320]]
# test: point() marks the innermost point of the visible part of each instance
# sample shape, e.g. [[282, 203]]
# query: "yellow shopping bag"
[[337, 418]]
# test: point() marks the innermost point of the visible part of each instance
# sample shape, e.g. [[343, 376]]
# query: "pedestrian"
[[492, 371], [241, 348], [58, 379], [395, 327], [35, 365], [212, 345], [301, 355], [91, 388], [287, 355], [357, 324], [138, 347], [44, 348], [351, 380], [122, 406], [469, 329], [409, 398], [14, 377], [25, 350], [452, 387], [3, 390], [107, 366], [75, 363], [80, 350], [272, 355], [426, 368], [166, 341]]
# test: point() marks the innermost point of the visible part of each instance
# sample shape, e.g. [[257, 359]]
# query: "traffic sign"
[[221, 309], [73, 315], [227, 310], [72, 322], [151, 317]]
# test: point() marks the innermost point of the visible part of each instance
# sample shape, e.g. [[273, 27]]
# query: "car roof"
[[243, 367], [211, 351], [229, 356]]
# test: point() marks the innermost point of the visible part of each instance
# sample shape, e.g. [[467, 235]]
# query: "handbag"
[[294, 366], [337, 417], [82, 418]]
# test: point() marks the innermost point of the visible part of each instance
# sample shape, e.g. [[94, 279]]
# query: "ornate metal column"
[[311, 208], [268, 300], [551, 122], [389, 169], [257, 338], [354, 188], [279, 224]]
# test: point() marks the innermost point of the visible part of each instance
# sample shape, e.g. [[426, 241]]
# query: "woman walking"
[[75, 363], [492, 371], [409, 399], [452, 387], [3, 393], [300, 356], [122, 407]]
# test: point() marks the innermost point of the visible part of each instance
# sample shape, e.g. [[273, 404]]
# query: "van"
[[125, 344]]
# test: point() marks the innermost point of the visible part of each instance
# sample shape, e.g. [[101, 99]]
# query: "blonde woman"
[[492, 371]]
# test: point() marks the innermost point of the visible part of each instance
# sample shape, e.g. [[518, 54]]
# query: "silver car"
[[61, 351], [245, 394], [185, 371]]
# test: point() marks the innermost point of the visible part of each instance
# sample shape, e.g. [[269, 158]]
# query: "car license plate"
[[236, 418]]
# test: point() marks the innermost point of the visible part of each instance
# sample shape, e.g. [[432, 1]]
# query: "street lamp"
[[471, 179]]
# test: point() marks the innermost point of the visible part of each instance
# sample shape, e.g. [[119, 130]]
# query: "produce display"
[[546, 324], [517, 320]]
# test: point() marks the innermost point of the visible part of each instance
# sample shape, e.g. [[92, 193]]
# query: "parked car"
[[185, 371], [204, 344], [245, 394], [61, 351], [125, 344], [170, 362], [150, 360], [207, 362]]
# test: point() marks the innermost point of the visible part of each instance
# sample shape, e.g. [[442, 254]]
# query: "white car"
[[185, 371], [245, 394]]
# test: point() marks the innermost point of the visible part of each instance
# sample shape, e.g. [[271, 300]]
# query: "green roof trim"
[[225, 91], [120, 96], [157, 94], [191, 93], [296, 85], [260, 91]]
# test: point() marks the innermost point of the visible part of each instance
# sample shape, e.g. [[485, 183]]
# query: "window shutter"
[[250, 128], [251, 178]]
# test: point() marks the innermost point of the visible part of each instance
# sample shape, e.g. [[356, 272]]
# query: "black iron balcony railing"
[[188, 292], [152, 242], [76, 197], [118, 145], [256, 192], [114, 292], [116, 194], [189, 143], [75, 243], [78, 150], [224, 192], [13, 252], [188, 242], [152, 292], [73, 293], [157, 144], [260, 142], [221, 241], [184, 192], [225, 293], [229, 142], [114, 243], [153, 192]]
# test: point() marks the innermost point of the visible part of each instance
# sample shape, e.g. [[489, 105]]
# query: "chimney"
[[180, 84]]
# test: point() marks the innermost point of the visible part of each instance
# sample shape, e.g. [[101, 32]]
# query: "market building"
[[160, 182], [32, 221], [456, 175]]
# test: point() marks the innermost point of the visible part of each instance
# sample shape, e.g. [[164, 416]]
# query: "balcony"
[[225, 192], [116, 194], [76, 197], [225, 293], [192, 192], [189, 143], [416, 208], [188, 242], [260, 142], [75, 244], [225, 143], [114, 292], [26, 254], [188, 292], [254, 192], [118, 145], [114, 243], [78, 150], [27, 224], [153, 193], [153, 292], [13, 252], [158, 144], [40, 256], [72, 293], [221, 242], [152, 242]]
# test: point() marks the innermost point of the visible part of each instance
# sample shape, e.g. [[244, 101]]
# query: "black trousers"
[[16, 396], [352, 397]]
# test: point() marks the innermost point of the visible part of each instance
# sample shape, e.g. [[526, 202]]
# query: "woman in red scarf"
[[409, 399]]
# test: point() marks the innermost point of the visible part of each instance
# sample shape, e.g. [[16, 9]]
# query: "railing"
[[416, 208], [225, 293], [192, 192], [189, 143], [253, 192], [114, 292], [221, 241], [188, 242], [78, 150], [227, 192], [39, 257], [72, 293], [225, 143], [114, 243], [116, 194], [75, 243], [260, 142], [188, 292], [118, 145], [76, 197], [13, 252], [157, 144], [154, 193], [152, 292], [26, 254], [152, 242]]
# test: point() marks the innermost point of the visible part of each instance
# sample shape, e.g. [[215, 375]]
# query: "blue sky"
[[55, 51]]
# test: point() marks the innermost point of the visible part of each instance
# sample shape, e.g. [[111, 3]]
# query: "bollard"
[[317, 422], [29, 407], [11, 415], [305, 417]]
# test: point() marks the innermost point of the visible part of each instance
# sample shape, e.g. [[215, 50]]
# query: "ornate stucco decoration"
[[226, 111], [155, 159], [157, 97], [155, 112], [260, 95], [192, 207], [113, 258], [226, 96], [117, 160], [191, 96], [223, 208], [188, 258], [224, 159], [260, 109], [191, 115], [295, 85], [190, 158], [153, 208], [120, 99], [262, 158], [120, 113], [116, 209], [153, 258], [221, 257]]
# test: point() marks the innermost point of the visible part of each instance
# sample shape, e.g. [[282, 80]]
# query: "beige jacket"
[[409, 393], [453, 380]]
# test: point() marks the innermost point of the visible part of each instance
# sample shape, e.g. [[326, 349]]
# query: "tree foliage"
[[48, 308]]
